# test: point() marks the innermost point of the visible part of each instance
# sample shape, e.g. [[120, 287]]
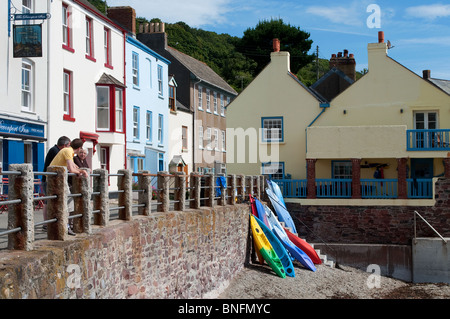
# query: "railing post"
[[401, 178], [209, 191], [21, 215], [195, 184], [249, 185], [83, 204], [241, 188], [145, 196], [57, 208], [257, 186], [163, 192], [101, 201], [180, 191], [356, 178], [231, 189], [125, 183]]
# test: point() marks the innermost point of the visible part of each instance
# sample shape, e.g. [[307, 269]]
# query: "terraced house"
[[385, 136], [206, 95]]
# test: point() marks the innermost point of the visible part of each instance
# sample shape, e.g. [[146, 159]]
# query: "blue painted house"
[[147, 113]]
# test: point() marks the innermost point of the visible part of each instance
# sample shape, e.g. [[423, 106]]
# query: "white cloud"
[[438, 41], [339, 15], [193, 12], [430, 12]]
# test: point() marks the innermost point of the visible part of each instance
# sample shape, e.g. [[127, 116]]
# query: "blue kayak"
[[277, 191], [278, 247], [296, 252], [282, 213]]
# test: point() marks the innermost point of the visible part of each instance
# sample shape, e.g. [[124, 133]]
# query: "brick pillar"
[[125, 183], [232, 190], [311, 178], [101, 198], [447, 167], [82, 204], [402, 185], [163, 192], [57, 208], [356, 178], [145, 196], [180, 191], [195, 192], [210, 191]]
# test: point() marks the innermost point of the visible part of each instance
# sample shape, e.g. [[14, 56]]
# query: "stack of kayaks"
[[275, 244]]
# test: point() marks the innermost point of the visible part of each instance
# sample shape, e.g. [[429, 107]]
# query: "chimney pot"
[[352, 56], [426, 74], [380, 37], [276, 45]]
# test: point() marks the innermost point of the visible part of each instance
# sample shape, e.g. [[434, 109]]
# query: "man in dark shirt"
[[62, 142]]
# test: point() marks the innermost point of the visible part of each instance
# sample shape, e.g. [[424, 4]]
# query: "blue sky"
[[419, 30]]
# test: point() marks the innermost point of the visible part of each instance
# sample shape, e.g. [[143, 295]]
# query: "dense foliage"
[[239, 60]]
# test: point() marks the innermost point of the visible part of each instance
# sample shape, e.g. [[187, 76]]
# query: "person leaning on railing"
[[65, 158]]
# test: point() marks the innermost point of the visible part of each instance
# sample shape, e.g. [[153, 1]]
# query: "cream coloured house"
[[266, 123]]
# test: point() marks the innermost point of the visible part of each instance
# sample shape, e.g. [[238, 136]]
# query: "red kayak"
[[305, 247]]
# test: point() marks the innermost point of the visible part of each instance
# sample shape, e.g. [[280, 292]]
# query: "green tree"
[[256, 44]]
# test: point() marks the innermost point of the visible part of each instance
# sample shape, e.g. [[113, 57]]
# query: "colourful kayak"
[[263, 245], [281, 252], [303, 245], [255, 213], [282, 213], [277, 191], [295, 252]]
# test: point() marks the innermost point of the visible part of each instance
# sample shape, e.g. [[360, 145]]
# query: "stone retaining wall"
[[189, 254]]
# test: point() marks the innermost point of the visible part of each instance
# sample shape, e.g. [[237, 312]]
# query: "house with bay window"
[[87, 81], [147, 112]]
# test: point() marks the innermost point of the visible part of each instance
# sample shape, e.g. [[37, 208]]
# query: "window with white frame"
[[208, 100], [135, 122], [216, 139], [200, 97], [200, 137], [274, 170], [119, 109], [160, 129], [184, 137], [135, 68], [222, 105], [215, 103], [89, 39], [160, 80], [26, 8], [103, 102], [148, 126], [27, 86], [224, 143], [208, 138], [67, 95], [272, 129], [341, 169], [107, 47]]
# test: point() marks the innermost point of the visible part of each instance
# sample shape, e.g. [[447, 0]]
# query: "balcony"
[[370, 188], [428, 140]]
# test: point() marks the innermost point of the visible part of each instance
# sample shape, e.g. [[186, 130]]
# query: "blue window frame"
[[160, 162], [272, 129], [274, 170]]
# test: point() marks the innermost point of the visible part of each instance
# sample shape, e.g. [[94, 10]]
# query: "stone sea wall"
[[189, 254]]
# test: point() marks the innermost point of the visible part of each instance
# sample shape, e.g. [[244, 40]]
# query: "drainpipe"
[[324, 106]]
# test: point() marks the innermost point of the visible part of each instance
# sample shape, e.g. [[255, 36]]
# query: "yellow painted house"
[[266, 123], [386, 136]]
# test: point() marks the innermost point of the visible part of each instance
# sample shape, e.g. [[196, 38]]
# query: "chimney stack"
[[344, 62], [276, 45], [426, 74], [125, 16], [380, 37]]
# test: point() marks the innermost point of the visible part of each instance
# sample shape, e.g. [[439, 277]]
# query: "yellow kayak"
[[265, 248]]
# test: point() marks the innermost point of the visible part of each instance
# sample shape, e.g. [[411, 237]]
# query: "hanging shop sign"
[[27, 41], [21, 129]]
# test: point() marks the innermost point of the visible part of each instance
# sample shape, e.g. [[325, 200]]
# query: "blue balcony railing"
[[428, 140], [370, 188]]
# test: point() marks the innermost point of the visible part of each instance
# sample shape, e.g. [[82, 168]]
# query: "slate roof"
[[110, 80], [201, 70], [444, 85]]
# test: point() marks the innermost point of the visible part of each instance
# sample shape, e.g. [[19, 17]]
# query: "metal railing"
[[428, 224], [91, 198], [428, 140]]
